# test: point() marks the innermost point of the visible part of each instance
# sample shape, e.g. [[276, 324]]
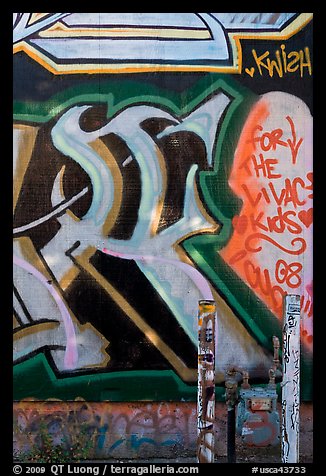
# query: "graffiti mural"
[[113, 428], [175, 167]]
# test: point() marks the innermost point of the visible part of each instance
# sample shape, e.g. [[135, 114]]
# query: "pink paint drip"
[[71, 353], [309, 289], [191, 272]]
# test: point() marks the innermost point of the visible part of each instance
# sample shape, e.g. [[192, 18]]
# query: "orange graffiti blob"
[[249, 189], [254, 176]]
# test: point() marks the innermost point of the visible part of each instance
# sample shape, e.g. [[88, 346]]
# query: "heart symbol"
[[250, 71], [306, 216], [240, 223]]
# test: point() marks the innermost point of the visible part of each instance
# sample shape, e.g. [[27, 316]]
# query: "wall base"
[[138, 430]]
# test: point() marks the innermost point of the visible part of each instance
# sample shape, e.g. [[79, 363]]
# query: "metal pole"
[[206, 381], [291, 379], [231, 397], [231, 436]]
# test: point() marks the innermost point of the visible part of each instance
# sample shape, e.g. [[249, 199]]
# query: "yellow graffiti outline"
[[15, 322], [35, 328], [60, 30], [160, 202], [99, 146], [35, 17], [26, 146]]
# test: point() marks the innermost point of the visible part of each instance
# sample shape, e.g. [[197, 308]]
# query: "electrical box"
[[257, 418]]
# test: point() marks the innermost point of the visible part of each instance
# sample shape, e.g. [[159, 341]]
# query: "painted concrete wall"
[[176, 166], [141, 430]]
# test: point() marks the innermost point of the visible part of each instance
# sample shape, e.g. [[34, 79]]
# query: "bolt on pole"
[[291, 379], [206, 381]]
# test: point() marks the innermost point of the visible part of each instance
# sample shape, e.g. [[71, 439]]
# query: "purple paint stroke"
[[71, 353], [196, 277]]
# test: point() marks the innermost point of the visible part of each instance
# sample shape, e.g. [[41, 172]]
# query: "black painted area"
[[94, 117], [32, 82], [131, 188], [180, 150], [126, 277], [128, 348], [291, 83], [34, 200]]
